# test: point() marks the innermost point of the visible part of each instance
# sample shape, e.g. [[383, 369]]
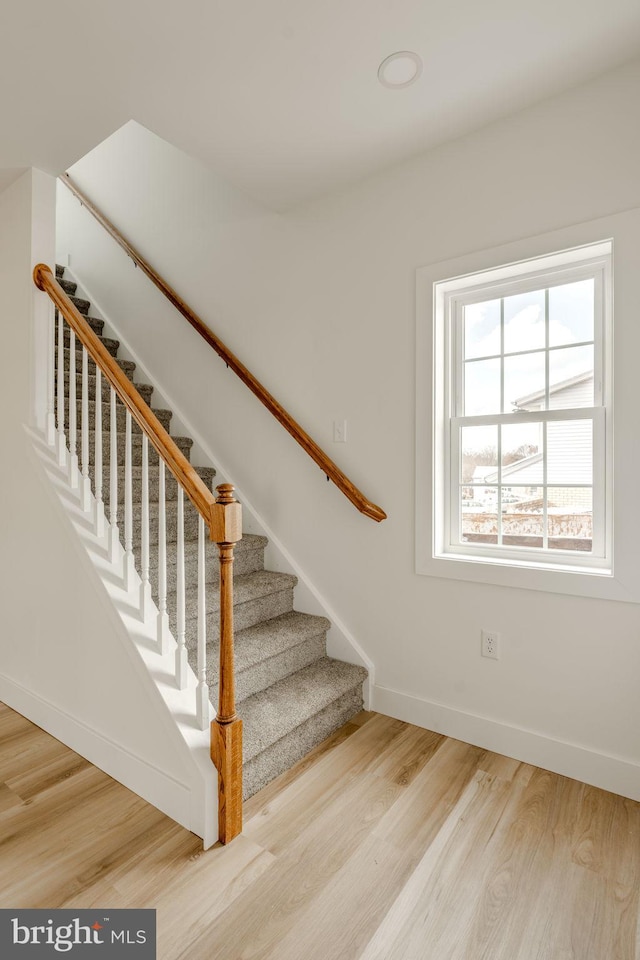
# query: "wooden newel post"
[[226, 730]]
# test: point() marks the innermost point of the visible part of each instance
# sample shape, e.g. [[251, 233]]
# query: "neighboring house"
[[569, 450]]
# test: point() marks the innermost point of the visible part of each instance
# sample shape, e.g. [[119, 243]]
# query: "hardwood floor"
[[388, 843]]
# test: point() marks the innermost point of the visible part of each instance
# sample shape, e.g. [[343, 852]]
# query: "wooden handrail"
[[193, 485], [328, 467]]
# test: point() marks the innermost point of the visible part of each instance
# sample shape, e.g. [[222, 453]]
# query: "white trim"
[[431, 391], [616, 774]]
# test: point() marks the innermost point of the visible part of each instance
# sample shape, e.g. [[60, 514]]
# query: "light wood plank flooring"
[[388, 843]]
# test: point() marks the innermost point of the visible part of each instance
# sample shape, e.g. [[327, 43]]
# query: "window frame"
[[619, 578], [537, 274]]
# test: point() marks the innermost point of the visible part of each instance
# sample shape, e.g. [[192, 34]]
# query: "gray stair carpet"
[[290, 695]]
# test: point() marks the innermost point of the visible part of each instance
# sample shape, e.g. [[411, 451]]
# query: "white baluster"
[[163, 619], [181, 652], [114, 533], [85, 490], [62, 441], [145, 586], [129, 561], [51, 377], [202, 692], [98, 455], [73, 413]]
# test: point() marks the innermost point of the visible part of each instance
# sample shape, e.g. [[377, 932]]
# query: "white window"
[[522, 413]]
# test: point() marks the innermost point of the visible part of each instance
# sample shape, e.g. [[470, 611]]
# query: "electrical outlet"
[[490, 644]]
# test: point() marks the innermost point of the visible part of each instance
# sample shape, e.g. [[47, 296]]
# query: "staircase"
[[289, 694]]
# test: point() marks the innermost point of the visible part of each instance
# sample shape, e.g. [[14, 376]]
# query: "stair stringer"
[[341, 644], [190, 800]]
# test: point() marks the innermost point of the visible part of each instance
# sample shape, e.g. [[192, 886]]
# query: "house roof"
[[554, 388], [282, 98], [513, 468]]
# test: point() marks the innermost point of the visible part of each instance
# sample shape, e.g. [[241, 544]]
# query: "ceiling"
[[281, 96]]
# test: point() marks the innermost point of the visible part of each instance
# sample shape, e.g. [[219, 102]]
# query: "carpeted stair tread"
[[249, 542], [271, 714], [268, 651], [206, 474], [273, 636], [258, 596], [127, 366], [111, 345], [96, 325], [282, 755], [59, 271], [68, 286], [248, 558], [183, 443], [81, 305], [144, 389], [164, 416], [251, 586]]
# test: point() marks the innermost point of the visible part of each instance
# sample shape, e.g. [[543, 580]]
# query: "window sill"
[[595, 582]]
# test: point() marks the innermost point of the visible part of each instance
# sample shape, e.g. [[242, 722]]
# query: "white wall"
[[320, 303], [65, 660]]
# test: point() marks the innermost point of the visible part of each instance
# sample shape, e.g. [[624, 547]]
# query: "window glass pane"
[[481, 387], [479, 454], [571, 377], [482, 329], [524, 326], [523, 381], [570, 452], [479, 514], [570, 518], [522, 516], [571, 312], [520, 443]]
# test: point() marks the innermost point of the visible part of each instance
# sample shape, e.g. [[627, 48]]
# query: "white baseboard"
[[152, 784], [567, 759]]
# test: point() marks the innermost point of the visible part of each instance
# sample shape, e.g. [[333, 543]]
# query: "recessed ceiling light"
[[400, 69]]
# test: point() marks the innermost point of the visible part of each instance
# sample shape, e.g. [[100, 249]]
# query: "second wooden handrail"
[[328, 467]]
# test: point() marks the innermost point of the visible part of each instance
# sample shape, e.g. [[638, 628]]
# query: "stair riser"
[[136, 451], [171, 488], [282, 755], [164, 416], [261, 675], [244, 615], [81, 305], [171, 485], [68, 286], [127, 367], [67, 352], [96, 325], [190, 524], [145, 390], [111, 345], [245, 561]]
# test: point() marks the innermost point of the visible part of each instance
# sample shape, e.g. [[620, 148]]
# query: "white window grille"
[[522, 413]]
